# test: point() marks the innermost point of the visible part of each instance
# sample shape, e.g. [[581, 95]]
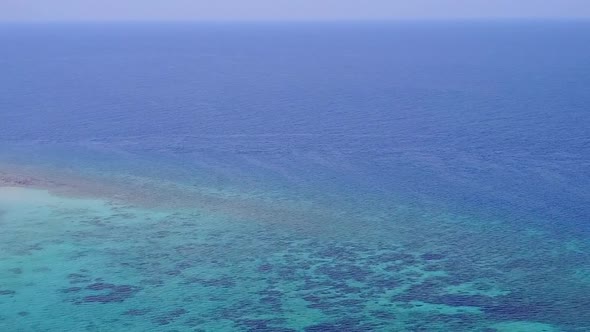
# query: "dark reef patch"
[[152, 282], [170, 316], [114, 293], [431, 268], [394, 257], [349, 325], [272, 301], [194, 322], [100, 286], [173, 273], [458, 300], [381, 314], [384, 284], [432, 256], [136, 312], [519, 310], [262, 325], [223, 282], [270, 292], [265, 268], [78, 278], [71, 290], [344, 272]]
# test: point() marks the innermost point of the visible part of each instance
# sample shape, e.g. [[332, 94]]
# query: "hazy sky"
[[58, 10]]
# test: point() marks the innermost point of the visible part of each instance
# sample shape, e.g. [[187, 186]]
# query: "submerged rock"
[[115, 294], [136, 312], [170, 316], [432, 256]]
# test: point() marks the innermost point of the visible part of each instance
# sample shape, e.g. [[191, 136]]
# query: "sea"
[[316, 177]]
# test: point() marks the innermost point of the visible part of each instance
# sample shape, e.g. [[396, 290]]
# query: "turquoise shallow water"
[[313, 177], [101, 265]]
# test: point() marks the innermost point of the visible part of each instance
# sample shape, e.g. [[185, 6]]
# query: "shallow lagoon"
[[90, 264]]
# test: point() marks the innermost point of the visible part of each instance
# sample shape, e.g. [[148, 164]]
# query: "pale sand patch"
[[65, 185], [20, 195]]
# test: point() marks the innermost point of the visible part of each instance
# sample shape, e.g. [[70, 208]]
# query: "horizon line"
[[319, 20]]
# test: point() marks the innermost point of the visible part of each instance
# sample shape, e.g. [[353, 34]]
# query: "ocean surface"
[[417, 176]]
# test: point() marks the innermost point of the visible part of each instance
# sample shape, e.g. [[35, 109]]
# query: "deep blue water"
[[477, 121]]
